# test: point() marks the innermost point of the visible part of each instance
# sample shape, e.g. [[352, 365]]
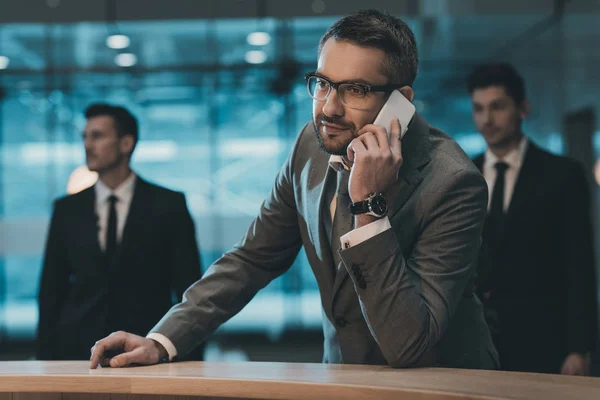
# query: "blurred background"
[[219, 92]]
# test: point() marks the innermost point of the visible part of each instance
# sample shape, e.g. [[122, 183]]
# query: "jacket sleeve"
[[408, 299], [266, 251]]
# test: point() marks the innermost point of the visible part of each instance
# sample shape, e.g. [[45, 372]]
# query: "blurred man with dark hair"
[[536, 275], [119, 254], [391, 228]]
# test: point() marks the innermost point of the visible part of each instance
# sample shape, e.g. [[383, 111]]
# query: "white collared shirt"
[[514, 159], [124, 193], [362, 234]]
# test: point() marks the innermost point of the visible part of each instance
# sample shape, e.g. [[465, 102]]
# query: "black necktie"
[[496, 215], [342, 220], [111, 230], [492, 258]]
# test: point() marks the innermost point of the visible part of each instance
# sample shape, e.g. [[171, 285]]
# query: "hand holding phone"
[[397, 106], [376, 174]]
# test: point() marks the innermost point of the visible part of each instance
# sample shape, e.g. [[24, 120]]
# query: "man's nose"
[[333, 104]]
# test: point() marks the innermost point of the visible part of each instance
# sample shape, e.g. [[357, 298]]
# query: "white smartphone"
[[397, 106]]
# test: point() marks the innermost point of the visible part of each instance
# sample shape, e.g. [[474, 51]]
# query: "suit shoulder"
[[558, 159], [555, 164], [72, 200], [306, 144], [306, 155], [447, 152], [161, 191]]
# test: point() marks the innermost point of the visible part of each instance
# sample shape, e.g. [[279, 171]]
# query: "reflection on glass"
[[220, 104]]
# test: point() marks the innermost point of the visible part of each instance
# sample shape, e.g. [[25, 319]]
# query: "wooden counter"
[[36, 380]]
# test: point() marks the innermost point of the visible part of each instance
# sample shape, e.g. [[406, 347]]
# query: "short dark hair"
[[498, 74], [380, 30], [125, 122]]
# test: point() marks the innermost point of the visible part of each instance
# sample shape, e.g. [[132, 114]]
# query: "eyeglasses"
[[354, 95]]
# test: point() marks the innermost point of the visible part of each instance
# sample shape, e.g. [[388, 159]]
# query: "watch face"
[[379, 205]]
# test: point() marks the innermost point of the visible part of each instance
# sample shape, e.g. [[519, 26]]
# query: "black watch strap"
[[361, 207]]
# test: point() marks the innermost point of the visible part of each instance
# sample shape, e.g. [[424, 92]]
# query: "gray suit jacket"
[[417, 307]]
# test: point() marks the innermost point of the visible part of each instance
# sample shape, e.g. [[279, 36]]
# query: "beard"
[[333, 148]]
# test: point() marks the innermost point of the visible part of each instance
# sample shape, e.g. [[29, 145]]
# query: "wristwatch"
[[374, 205]]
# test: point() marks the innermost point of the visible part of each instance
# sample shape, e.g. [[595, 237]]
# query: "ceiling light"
[[117, 41], [258, 38], [255, 57], [4, 61], [125, 60]]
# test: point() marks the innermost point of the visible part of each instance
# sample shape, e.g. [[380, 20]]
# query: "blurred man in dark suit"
[[536, 275], [119, 254]]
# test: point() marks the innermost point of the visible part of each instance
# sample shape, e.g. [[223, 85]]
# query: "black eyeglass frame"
[[334, 85]]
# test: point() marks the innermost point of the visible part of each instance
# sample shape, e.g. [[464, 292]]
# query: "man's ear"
[[408, 92], [126, 144]]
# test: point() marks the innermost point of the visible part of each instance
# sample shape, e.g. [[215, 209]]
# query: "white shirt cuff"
[[359, 235], [166, 343]]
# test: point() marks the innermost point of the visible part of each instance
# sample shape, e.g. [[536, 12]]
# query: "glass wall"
[[219, 112]]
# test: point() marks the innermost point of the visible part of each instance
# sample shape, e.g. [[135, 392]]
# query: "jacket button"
[[341, 322]]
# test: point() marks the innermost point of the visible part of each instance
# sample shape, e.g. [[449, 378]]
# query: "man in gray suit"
[[394, 277]]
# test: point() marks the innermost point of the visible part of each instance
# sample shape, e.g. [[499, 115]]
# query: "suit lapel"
[[478, 161], [135, 217], [525, 181], [90, 224], [321, 177], [416, 148]]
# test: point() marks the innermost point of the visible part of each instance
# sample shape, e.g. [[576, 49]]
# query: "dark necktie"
[[492, 260], [342, 220], [496, 216], [111, 230]]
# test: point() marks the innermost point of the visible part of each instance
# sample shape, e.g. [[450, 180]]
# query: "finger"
[[563, 367], [114, 341], [382, 139], [371, 128], [568, 369], [105, 362], [395, 138], [137, 356], [383, 143], [96, 356], [356, 147], [369, 140], [350, 152]]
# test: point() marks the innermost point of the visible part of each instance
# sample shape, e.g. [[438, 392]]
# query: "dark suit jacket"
[[82, 299], [402, 297], [542, 287]]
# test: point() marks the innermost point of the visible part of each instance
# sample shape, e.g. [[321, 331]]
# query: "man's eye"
[[321, 84], [355, 90]]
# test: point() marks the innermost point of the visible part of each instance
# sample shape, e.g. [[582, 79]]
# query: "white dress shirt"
[[352, 238], [514, 159], [124, 194]]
